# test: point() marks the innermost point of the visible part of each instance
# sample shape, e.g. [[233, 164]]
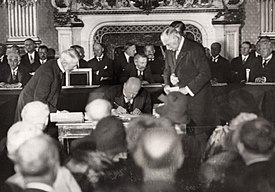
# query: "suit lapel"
[[119, 100], [183, 52]]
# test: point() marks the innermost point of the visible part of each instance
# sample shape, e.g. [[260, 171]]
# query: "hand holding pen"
[[119, 110]]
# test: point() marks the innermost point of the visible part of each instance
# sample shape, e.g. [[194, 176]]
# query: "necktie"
[[243, 61], [265, 63], [31, 59], [99, 58], [13, 75]]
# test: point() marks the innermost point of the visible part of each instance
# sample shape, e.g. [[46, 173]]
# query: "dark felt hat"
[[110, 135], [174, 108]]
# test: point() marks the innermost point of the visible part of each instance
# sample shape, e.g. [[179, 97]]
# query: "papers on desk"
[[76, 117], [127, 117], [218, 84], [252, 83]]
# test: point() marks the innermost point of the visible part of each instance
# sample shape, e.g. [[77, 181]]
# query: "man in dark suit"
[[129, 98], [101, 65], [15, 73], [241, 63], [31, 59], [139, 69], [124, 58], [187, 71], [45, 85], [220, 67], [3, 60], [37, 160], [263, 70], [156, 64], [43, 54]]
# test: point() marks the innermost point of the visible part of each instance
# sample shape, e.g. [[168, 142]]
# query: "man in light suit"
[[187, 71], [45, 85]]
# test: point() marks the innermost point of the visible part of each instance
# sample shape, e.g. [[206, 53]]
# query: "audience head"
[[110, 136], [15, 48], [98, 49], [51, 53], [149, 51], [265, 49], [189, 36], [170, 38], [3, 49], [29, 45], [37, 160], [43, 52], [159, 153], [130, 49], [140, 61], [131, 88], [179, 26], [98, 109], [256, 137], [36, 113], [69, 59], [138, 125], [245, 48], [13, 59], [215, 49], [18, 134], [174, 108], [239, 101], [80, 51]]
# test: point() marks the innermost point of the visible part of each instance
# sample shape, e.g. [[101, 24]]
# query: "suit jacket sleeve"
[[167, 69]]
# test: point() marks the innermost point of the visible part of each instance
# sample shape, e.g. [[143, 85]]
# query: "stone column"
[[22, 21]]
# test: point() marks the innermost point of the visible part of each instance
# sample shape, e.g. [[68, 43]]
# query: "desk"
[[75, 98]]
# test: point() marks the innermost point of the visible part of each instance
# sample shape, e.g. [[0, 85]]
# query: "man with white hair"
[[37, 160], [159, 153], [36, 113], [45, 85], [98, 109]]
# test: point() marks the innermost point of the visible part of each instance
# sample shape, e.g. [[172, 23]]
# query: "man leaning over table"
[[46, 84], [129, 98], [187, 71]]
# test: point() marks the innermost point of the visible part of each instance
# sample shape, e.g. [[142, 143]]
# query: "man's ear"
[[240, 147]]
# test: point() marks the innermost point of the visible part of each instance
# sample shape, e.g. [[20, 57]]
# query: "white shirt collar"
[[267, 59], [126, 100], [14, 70], [2, 58], [127, 57], [43, 61], [256, 160], [31, 54], [41, 186], [244, 57], [60, 66]]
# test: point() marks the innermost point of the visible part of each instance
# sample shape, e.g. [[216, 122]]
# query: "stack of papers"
[[76, 117]]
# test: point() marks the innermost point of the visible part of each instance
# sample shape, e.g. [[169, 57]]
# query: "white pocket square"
[[105, 67]]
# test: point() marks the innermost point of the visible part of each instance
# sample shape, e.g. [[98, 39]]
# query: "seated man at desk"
[[129, 98], [139, 69], [14, 75], [263, 70]]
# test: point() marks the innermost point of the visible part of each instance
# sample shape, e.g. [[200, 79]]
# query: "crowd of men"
[[178, 151]]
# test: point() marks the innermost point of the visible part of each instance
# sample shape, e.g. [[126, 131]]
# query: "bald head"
[[159, 149], [36, 113], [98, 109], [18, 134], [69, 59], [131, 87], [38, 160]]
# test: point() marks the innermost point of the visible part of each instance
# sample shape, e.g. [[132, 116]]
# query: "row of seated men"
[[15, 69], [151, 154], [251, 66]]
